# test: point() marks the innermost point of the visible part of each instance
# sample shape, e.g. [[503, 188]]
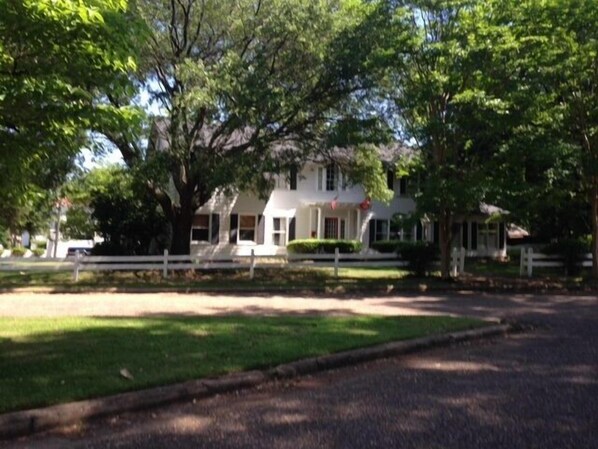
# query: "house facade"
[[317, 201]]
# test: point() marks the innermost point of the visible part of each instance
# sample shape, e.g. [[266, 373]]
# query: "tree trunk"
[[181, 226], [594, 220], [445, 237]]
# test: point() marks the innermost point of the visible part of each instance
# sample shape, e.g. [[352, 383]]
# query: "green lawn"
[[48, 361], [227, 279]]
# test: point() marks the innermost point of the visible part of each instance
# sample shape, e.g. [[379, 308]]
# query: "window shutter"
[[436, 233], [390, 180], [403, 186], [292, 229], [293, 178], [215, 231], [232, 232], [465, 235], [321, 178], [372, 230], [260, 229], [419, 232], [501, 236], [474, 235]]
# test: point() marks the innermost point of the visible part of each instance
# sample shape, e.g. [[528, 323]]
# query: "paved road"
[[537, 389]]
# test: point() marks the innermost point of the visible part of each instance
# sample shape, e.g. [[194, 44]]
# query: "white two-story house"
[[317, 201]]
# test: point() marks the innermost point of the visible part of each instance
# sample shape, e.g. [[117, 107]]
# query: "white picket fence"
[[167, 263], [530, 260]]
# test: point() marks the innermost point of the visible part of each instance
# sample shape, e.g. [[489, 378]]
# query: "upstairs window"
[[330, 179], [390, 180]]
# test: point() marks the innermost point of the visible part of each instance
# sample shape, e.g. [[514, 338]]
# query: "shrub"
[[386, 246], [39, 252], [326, 246], [18, 251], [419, 256], [572, 252], [42, 244]]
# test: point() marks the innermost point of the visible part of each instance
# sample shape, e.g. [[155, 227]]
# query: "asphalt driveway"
[[537, 389]]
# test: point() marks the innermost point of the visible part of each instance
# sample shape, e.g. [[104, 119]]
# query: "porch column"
[[358, 225], [311, 222], [319, 224]]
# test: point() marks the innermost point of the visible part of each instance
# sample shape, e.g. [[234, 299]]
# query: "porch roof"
[[328, 204]]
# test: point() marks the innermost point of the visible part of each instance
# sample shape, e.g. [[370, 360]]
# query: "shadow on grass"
[[46, 361]]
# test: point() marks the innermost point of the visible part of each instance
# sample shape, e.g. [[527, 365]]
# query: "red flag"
[[365, 204], [334, 203]]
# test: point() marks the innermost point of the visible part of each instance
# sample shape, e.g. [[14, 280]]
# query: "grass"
[[49, 361], [228, 279]]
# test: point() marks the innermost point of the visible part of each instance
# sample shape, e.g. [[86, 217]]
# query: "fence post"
[[454, 262], [530, 262], [336, 257], [522, 262], [462, 261], [77, 261], [252, 265], [165, 265]]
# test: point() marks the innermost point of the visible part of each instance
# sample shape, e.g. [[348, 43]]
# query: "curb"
[[27, 422]]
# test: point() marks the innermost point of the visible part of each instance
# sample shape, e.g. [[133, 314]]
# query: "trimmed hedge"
[[420, 256], [386, 246], [572, 252], [39, 252], [323, 246], [18, 251]]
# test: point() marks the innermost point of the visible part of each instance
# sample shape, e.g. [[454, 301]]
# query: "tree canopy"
[[59, 60], [247, 87]]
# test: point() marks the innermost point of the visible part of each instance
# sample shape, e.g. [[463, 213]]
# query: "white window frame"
[[282, 232], [255, 228], [485, 232], [339, 181]]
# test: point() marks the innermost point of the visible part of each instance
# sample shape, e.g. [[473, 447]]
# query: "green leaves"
[[59, 60]]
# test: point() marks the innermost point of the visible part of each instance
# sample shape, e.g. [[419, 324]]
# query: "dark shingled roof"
[[389, 153]]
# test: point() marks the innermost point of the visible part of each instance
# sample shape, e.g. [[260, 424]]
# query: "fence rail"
[[530, 260], [168, 263]]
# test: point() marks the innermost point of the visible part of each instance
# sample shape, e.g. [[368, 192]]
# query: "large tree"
[[562, 61], [58, 61], [445, 65], [246, 87]]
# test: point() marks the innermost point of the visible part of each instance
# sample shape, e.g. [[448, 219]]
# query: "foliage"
[[127, 217], [327, 246], [18, 251], [4, 237], [367, 170], [39, 252], [420, 256], [444, 86], [561, 74], [111, 202], [43, 244], [79, 224], [572, 252], [386, 246], [58, 62]]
